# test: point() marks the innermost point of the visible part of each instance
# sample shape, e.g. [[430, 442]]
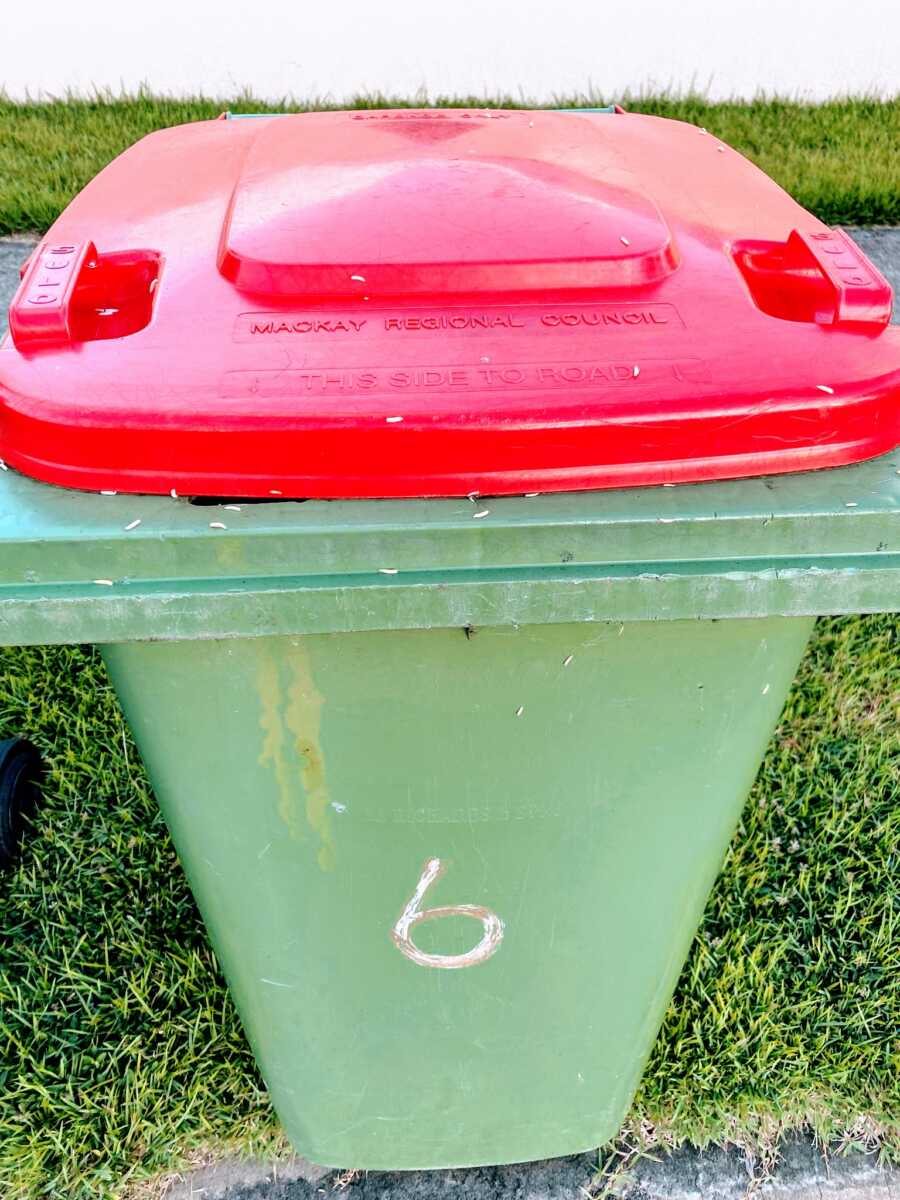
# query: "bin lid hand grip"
[[41, 310], [861, 293]]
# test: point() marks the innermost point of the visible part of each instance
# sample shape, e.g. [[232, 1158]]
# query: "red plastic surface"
[[71, 294], [408, 303], [416, 221], [41, 313]]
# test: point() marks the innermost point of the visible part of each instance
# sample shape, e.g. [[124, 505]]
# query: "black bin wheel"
[[20, 783]]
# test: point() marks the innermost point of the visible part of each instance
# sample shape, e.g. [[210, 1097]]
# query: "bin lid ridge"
[[311, 210], [437, 302]]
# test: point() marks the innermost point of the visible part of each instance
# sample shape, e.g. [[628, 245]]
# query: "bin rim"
[[82, 567]]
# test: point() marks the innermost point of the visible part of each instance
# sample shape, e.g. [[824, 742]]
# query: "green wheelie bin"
[[451, 726]]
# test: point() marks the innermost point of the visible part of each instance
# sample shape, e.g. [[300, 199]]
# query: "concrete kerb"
[[803, 1172]]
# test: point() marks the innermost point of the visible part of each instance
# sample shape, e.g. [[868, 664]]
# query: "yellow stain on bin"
[[292, 746]]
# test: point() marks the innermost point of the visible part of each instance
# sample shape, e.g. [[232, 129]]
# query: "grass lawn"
[[120, 1053], [839, 159]]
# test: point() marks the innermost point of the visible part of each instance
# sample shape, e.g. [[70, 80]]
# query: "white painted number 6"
[[412, 915]]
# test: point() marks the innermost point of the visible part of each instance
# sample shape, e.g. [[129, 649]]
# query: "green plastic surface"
[[815, 542], [307, 782], [356, 712]]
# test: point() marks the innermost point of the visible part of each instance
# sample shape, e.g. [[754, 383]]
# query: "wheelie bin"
[[325, 429]]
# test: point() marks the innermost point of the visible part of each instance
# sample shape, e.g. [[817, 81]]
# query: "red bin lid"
[[438, 302]]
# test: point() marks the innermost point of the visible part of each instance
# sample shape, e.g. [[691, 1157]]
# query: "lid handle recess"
[[817, 275]]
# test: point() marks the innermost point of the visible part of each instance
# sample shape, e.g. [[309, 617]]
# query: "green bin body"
[[451, 794]]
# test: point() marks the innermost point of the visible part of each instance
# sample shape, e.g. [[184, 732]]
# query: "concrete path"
[[803, 1173], [13, 252], [883, 247]]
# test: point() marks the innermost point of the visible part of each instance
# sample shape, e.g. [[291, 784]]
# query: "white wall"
[[538, 48]]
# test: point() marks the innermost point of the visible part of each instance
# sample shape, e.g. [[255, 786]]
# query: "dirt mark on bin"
[[291, 721]]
